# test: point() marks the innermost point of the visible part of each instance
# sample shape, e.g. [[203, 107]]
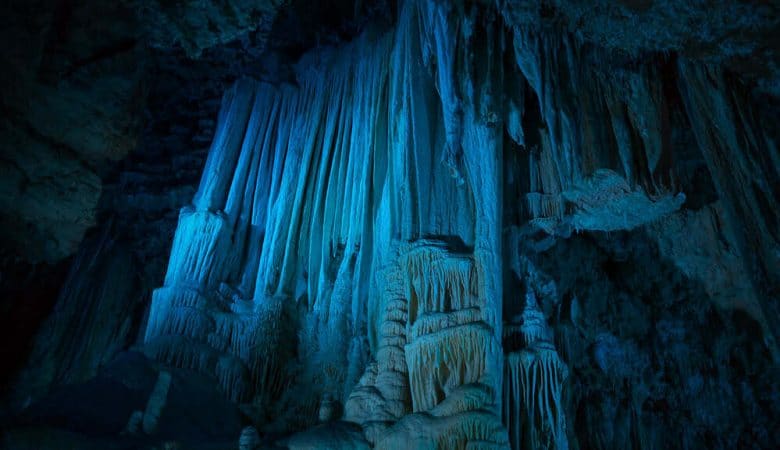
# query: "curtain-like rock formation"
[[317, 200]]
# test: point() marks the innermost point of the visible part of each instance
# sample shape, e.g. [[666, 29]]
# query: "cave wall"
[[73, 93]]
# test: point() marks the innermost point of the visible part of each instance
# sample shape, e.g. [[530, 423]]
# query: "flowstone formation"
[[346, 254], [435, 365]]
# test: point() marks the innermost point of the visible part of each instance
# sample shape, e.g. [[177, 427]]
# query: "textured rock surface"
[[72, 101], [72, 97], [197, 25], [540, 225], [192, 414]]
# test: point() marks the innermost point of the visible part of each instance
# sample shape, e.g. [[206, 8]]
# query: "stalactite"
[[442, 360], [438, 280], [533, 386], [308, 188], [221, 163], [256, 210], [745, 165]]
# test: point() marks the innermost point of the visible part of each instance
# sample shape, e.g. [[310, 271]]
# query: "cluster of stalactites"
[[440, 361], [533, 406], [450, 341], [191, 333], [280, 209], [533, 385], [438, 280]]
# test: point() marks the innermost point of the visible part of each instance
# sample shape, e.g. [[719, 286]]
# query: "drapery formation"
[[310, 197]]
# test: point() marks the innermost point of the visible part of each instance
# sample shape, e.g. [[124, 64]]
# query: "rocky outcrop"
[[72, 102], [196, 25], [131, 403], [735, 34]]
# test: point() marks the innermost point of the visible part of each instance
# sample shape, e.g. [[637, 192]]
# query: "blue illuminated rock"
[[346, 243]]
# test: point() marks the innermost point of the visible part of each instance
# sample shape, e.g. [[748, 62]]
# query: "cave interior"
[[390, 224]]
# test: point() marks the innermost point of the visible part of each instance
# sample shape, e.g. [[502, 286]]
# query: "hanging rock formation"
[[346, 240], [314, 213], [533, 384]]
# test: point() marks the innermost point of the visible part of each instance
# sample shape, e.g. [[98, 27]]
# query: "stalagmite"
[[249, 439], [156, 403]]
